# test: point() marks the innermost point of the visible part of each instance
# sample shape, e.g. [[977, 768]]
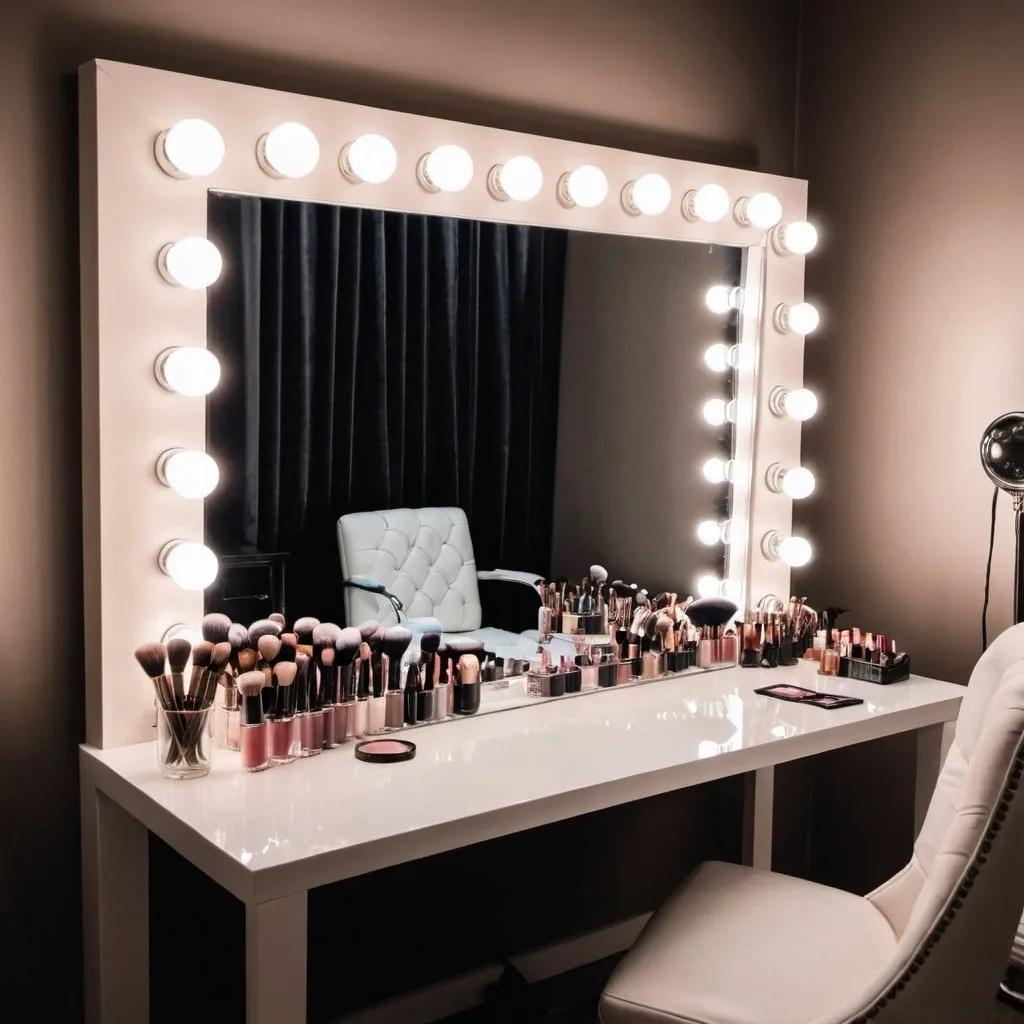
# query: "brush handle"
[[178, 683]]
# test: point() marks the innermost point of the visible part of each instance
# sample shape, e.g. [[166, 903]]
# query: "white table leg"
[[758, 808], [275, 961], [115, 910], [930, 752]]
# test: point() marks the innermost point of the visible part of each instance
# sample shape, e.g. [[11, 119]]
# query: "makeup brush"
[[429, 643], [269, 647], [325, 635], [219, 658], [246, 659], [203, 687], [201, 655], [178, 652], [152, 659], [459, 647], [394, 643], [278, 618], [289, 647], [303, 629], [284, 676], [238, 637], [363, 679], [347, 647], [413, 685], [711, 611], [663, 625], [250, 685], [263, 627], [215, 627]]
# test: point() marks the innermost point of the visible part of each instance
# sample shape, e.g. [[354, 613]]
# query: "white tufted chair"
[[424, 556], [736, 945]]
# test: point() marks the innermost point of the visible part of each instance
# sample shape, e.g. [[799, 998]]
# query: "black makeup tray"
[[867, 672]]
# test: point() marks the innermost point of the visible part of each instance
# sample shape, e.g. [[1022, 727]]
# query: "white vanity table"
[[269, 838]]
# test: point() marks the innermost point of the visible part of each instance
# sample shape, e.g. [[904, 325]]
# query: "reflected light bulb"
[[800, 404], [762, 211], [585, 187], [369, 158], [714, 411], [180, 631], [709, 532], [190, 149], [191, 262], [720, 298], [709, 586], [717, 357], [520, 179], [797, 238], [709, 203], [290, 150], [189, 371], [714, 471], [448, 168], [798, 483], [795, 551], [191, 565], [189, 473], [650, 195], [801, 318]]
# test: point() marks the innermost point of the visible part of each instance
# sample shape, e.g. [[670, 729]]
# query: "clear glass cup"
[[184, 743]]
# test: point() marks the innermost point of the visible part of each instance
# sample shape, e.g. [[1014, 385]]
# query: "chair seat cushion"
[[736, 945]]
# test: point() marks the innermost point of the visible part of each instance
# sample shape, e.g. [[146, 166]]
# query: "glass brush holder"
[[184, 742]]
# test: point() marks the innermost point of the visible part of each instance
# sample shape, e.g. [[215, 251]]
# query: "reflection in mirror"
[[552, 385]]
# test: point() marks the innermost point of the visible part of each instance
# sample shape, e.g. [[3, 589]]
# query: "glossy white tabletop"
[[330, 817]]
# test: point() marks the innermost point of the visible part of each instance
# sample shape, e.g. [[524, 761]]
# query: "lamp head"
[[1002, 452]]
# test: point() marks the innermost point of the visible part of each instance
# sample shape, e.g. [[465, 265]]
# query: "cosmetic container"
[[253, 742], [588, 673], [442, 699], [730, 648], [184, 743], [706, 648], [393, 710], [607, 674], [343, 714], [311, 732], [467, 698], [361, 718], [544, 684], [225, 718], [653, 665], [375, 715], [282, 740], [573, 680], [425, 700], [544, 624]]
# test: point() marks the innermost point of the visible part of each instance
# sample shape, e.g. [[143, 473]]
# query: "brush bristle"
[[711, 611], [201, 654], [430, 642], [152, 658], [246, 660], [215, 627], [238, 636], [178, 651], [290, 639], [466, 646], [304, 627], [287, 653], [598, 573], [278, 618], [395, 641], [250, 683], [367, 629], [347, 645], [220, 656], [326, 634], [285, 672], [269, 647], [301, 659], [327, 656], [263, 627]]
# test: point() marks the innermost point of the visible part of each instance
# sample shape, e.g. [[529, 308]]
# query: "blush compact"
[[385, 751]]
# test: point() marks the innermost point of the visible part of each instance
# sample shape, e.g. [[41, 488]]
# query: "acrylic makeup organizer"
[[868, 672]]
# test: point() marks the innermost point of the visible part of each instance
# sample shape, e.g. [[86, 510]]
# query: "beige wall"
[[710, 79], [912, 137]]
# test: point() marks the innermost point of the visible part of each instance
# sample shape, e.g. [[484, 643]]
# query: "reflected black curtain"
[[378, 360]]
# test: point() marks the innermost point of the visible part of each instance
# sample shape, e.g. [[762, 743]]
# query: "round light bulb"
[[189, 371], [720, 298], [585, 187], [797, 238], [795, 551], [190, 474], [714, 471], [650, 195], [181, 631], [709, 203], [369, 158], [762, 211], [717, 357], [798, 483], [800, 404], [448, 168], [709, 532], [714, 411], [709, 586], [801, 318], [191, 565], [192, 262], [290, 150], [520, 179], [190, 149]]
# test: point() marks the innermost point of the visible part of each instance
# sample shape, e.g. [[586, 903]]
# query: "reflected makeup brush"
[[238, 637], [215, 627], [263, 627], [178, 652], [278, 618], [303, 629]]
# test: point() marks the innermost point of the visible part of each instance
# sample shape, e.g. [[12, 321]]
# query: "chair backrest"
[[424, 556], [956, 905]]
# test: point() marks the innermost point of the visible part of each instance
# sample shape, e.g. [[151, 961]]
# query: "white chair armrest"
[[529, 579]]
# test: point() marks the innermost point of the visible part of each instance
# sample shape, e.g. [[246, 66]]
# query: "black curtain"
[[378, 360]]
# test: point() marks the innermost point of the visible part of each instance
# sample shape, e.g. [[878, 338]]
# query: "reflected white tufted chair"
[[739, 946], [424, 556]]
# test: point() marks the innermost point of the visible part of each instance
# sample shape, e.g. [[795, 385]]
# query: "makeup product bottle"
[[282, 737], [588, 672], [225, 714], [410, 695], [467, 692], [329, 701], [750, 656], [252, 731], [706, 648], [311, 727], [769, 648], [363, 690], [730, 647], [394, 643], [544, 623]]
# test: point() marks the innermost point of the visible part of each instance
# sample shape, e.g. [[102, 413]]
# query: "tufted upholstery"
[[738, 946], [424, 556]]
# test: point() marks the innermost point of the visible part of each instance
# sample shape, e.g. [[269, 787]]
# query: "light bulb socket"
[[777, 237], [161, 265], [423, 177], [494, 185], [158, 369], [688, 207], [730, 471], [773, 477], [781, 319], [345, 165], [731, 411], [725, 531], [770, 544], [628, 200], [740, 211], [161, 558], [562, 191], [777, 401], [161, 157], [161, 465], [261, 157]]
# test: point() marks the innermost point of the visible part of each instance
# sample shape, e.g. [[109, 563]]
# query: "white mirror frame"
[[130, 208]]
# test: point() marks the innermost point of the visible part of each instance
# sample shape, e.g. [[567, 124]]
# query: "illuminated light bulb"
[[799, 404], [193, 566], [797, 483], [797, 238], [191, 262], [190, 149], [520, 179], [707, 748], [716, 357], [718, 471], [370, 158], [190, 474], [801, 318], [720, 298], [189, 371], [290, 150], [714, 411], [585, 187], [710, 532], [448, 168], [181, 631], [709, 586], [762, 211], [794, 551], [650, 195], [709, 203]]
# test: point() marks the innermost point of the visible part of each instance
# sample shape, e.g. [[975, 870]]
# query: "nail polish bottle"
[[253, 730]]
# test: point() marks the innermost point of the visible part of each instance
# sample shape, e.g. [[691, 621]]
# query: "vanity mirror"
[[619, 465]]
